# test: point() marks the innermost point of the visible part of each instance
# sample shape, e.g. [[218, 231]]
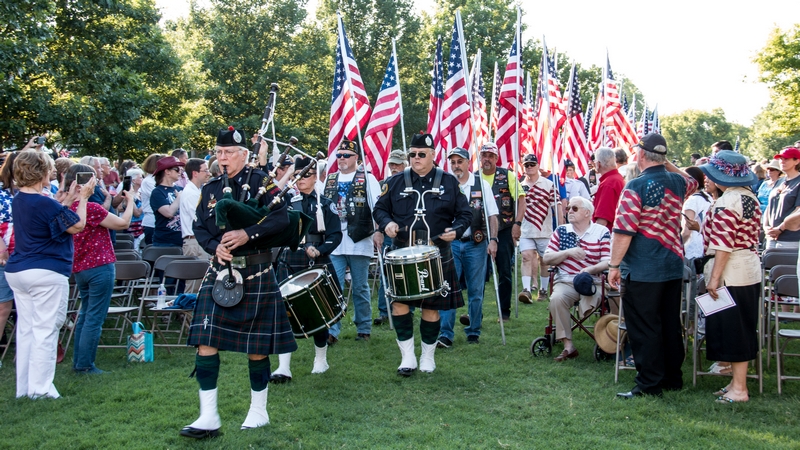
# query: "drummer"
[[448, 215], [320, 241]]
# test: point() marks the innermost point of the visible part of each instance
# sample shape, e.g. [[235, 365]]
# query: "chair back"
[[163, 261], [131, 270], [123, 245], [194, 269], [772, 259], [780, 270], [779, 250], [128, 255], [786, 286], [124, 237], [151, 253]]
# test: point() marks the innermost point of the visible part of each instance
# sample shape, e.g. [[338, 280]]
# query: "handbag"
[[140, 344]]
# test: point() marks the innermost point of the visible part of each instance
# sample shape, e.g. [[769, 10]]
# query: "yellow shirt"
[[514, 187]]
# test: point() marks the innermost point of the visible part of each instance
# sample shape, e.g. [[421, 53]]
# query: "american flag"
[[654, 125], [644, 126], [350, 111], [527, 128], [542, 112], [537, 203], [587, 118], [596, 242], [618, 129], [436, 100], [656, 216], [510, 101], [596, 135], [497, 84], [456, 115], [378, 137], [479, 103], [575, 146], [727, 230], [550, 120]]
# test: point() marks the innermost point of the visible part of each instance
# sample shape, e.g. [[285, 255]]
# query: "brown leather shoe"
[[525, 297], [464, 319], [565, 355]]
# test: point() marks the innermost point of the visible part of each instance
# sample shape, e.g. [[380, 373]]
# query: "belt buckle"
[[239, 262]]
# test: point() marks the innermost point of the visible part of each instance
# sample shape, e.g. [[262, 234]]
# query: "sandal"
[[721, 392], [727, 400], [628, 362]]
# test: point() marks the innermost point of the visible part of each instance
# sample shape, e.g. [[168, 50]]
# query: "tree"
[[25, 29], [779, 62], [694, 131], [768, 134]]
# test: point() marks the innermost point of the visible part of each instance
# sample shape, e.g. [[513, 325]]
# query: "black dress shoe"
[[380, 320], [633, 393], [278, 378], [196, 433], [405, 371]]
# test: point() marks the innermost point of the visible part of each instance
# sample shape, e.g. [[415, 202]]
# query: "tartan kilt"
[[454, 299], [258, 325], [292, 262]]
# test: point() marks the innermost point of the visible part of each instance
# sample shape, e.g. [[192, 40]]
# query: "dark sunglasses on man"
[[421, 155], [345, 155]]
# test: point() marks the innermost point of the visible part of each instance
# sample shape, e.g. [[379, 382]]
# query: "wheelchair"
[[543, 345]]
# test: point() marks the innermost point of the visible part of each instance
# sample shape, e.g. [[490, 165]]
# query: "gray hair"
[[585, 203], [134, 172], [659, 158], [87, 161], [605, 157], [104, 160]]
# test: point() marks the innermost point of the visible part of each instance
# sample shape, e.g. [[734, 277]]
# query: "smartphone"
[[40, 140], [126, 183], [83, 177]]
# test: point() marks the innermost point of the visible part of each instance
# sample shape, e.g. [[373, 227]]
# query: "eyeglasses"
[[204, 170], [422, 155], [573, 208], [530, 164], [227, 152], [345, 155]]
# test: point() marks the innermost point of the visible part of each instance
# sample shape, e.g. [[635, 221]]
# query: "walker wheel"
[[541, 346], [600, 355]]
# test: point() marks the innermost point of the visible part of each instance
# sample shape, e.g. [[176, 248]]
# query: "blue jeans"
[[382, 311], [95, 286], [359, 273], [471, 256]]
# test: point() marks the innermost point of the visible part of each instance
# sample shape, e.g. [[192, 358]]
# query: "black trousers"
[[505, 251], [652, 315]]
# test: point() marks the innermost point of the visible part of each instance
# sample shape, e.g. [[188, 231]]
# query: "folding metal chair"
[[179, 269], [123, 245], [157, 273], [127, 273], [785, 286], [770, 258], [774, 301], [127, 255]]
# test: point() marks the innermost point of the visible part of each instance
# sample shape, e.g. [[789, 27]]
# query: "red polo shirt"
[[607, 197]]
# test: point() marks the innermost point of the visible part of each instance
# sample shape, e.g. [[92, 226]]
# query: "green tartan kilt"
[[258, 325]]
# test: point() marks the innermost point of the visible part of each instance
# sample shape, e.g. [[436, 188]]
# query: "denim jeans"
[[95, 286], [382, 311], [359, 273], [470, 256]]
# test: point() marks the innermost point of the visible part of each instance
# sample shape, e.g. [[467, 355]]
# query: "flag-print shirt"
[[595, 241], [93, 247], [650, 210], [732, 225], [538, 221], [6, 222]]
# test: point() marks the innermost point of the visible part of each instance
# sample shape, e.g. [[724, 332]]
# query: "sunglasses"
[[573, 208], [344, 155], [308, 174], [176, 169], [417, 155], [530, 165]]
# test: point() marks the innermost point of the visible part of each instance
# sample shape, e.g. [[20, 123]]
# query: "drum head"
[[300, 281], [415, 253]]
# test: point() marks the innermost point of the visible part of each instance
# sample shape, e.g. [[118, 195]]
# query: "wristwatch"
[[613, 266], [493, 239], [517, 222]]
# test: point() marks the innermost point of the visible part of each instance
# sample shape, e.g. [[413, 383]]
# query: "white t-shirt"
[[363, 247], [189, 198], [538, 220], [693, 247], [148, 184]]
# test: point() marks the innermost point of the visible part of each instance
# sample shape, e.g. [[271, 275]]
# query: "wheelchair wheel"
[[600, 355], [541, 346]]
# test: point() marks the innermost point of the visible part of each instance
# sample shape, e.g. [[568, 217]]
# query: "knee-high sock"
[[207, 368], [429, 331], [404, 326], [321, 338], [259, 373]]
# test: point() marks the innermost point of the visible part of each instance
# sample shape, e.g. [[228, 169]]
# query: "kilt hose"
[[454, 299], [257, 325]]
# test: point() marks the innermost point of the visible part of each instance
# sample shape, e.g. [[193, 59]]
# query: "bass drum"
[[313, 301], [414, 273]]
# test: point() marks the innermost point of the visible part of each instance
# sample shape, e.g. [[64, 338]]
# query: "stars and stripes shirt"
[[733, 222], [595, 241], [649, 209], [538, 222]]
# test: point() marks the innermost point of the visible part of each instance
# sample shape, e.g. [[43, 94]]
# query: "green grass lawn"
[[480, 396]]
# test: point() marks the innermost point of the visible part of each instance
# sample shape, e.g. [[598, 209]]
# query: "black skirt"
[[732, 334]]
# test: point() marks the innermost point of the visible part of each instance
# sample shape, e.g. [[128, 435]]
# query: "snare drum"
[[414, 273], [313, 301]]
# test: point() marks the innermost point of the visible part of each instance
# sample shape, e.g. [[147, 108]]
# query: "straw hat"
[[605, 333]]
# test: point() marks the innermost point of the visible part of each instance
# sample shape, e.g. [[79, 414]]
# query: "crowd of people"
[[641, 222]]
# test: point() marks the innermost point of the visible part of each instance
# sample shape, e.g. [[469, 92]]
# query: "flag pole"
[[494, 104], [515, 158], [399, 95], [370, 199], [546, 94], [480, 179]]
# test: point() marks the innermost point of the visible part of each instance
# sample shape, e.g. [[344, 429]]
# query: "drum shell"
[[414, 273], [312, 305]]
